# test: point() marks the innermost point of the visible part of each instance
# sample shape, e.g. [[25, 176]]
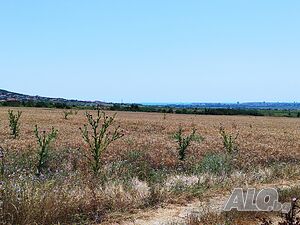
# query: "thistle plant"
[[229, 141], [44, 141], [185, 141], [67, 113], [14, 123], [99, 137]]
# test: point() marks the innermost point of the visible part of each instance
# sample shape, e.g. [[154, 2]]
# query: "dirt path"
[[173, 214], [177, 214]]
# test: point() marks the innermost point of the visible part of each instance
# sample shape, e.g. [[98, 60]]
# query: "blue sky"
[[152, 50]]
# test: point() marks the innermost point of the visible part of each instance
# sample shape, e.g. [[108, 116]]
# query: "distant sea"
[[180, 103]]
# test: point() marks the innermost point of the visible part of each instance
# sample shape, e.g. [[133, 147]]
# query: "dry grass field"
[[141, 170], [261, 139]]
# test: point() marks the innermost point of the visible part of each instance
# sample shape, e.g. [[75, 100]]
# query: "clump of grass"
[[99, 138], [14, 122], [185, 141], [133, 164], [44, 141], [27, 201], [185, 185], [215, 163], [69, 201]]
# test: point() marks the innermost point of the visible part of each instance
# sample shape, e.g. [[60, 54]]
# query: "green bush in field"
[[214, 163], [14, 122], [99, 138], [44, 141], [184, 141]]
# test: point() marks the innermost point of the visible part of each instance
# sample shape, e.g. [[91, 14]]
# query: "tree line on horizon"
[[157, 109]]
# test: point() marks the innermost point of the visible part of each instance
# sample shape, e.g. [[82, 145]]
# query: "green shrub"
[[44, 141], [99, 138], [14, 122], [214, 163], [185, 141]]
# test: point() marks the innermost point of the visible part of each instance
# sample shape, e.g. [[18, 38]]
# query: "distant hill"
[[8, 96], [39, 101]]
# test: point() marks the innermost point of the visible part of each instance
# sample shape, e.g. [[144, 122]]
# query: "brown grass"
[[262, 141]]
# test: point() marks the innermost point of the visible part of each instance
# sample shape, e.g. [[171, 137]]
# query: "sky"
[[152, 50]]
